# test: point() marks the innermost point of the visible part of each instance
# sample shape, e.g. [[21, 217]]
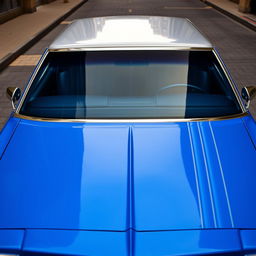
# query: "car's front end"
[[129, 150]]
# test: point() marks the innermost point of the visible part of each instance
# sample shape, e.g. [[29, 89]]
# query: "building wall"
[[10, 9], [38, 2], [246, 5]]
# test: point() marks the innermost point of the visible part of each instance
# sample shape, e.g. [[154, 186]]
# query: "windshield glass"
[[130, 85]]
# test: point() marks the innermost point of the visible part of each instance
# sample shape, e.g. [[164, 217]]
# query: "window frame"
[[244, 111]]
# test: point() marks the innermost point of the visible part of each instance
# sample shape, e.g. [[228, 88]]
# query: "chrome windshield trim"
[[39, 64], [130, 48], [244, 110], [150, 120], [231, 82]]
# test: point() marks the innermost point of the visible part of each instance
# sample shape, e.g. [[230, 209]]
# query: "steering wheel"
[[169, 86]]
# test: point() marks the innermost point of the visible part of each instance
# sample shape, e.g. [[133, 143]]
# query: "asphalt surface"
[[235, 43]]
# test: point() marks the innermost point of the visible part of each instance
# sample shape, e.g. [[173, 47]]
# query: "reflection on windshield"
[[130, 84]]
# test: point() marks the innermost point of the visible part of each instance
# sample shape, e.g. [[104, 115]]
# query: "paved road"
[[236, 43]]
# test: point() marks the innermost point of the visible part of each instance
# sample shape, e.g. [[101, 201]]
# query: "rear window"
[[130, 85]]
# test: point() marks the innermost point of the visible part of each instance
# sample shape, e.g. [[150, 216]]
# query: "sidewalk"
[[19, 34], [231, 9]]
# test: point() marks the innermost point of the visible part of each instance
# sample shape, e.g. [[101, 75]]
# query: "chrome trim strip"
[[39, 64], [131, 48], [160, 120], [231, 82]]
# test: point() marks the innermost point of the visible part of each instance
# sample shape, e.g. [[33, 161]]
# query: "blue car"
[[130, 139]]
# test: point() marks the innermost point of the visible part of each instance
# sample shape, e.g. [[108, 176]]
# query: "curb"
[[4, 62], [234, 17]]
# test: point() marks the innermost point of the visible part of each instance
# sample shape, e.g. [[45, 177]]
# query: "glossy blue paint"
[[133, 188], [248, 238], [190, 242], [114, 177], [162, 169], [98, 243], [49, 190], [250, 125], [11, 240], [235, 156], [7, 132]]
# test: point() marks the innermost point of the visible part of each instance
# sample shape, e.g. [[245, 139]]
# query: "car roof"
[[130, 32]]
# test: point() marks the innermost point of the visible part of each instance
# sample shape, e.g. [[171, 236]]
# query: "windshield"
[[130, 85]]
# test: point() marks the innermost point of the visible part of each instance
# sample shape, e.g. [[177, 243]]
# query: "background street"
[[235, 42]]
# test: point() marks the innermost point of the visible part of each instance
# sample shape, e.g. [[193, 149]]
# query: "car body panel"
[[80, 242], [250, 125], [97, 243], [11, 239], [7, 133], [167, 176], [248, 239]]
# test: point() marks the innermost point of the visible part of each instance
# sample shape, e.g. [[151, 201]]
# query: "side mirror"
[[13, 94], [248, 93]]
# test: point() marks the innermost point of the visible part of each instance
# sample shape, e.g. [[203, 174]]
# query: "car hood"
[[128, 243], [116, 177]]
